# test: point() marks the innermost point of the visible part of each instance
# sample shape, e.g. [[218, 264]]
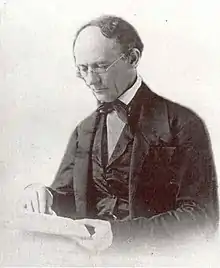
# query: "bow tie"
[[118, 106]]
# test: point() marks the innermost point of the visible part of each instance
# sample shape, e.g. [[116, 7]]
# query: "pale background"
[[41, 100]]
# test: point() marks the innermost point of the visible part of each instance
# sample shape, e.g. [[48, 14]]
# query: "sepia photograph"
[[109, 131]]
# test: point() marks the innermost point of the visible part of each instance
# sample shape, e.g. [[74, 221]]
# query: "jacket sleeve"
[[62, 186], [196, 209]]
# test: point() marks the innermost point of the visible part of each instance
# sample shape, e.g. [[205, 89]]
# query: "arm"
[[196, 203], [59, 197], [62, 186]]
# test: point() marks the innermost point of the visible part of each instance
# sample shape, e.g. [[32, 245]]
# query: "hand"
[[37, 199], [101, 239]]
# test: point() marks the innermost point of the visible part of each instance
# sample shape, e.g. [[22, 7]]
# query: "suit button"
[[113, 216]]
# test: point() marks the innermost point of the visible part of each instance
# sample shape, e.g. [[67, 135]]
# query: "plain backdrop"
[[41, 100]]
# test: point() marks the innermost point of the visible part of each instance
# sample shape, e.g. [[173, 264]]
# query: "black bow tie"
[[118, 106]]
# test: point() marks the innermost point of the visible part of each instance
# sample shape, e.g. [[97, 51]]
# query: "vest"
[[110, 185]]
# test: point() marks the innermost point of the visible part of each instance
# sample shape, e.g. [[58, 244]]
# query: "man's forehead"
[[92, 46]]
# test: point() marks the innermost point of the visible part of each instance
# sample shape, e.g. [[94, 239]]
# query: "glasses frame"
[[105, 71]]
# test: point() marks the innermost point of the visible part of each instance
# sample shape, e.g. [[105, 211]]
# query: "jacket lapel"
[[82, 161], [152, 127]]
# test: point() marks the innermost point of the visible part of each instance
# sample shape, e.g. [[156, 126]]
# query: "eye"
[[82, 68], [100, 66]]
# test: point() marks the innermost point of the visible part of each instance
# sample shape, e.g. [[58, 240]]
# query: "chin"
[[104, 98]]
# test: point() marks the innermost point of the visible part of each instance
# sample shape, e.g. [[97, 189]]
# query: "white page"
[[49, 224]]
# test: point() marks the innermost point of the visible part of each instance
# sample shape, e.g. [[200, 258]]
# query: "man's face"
[[93, 50]]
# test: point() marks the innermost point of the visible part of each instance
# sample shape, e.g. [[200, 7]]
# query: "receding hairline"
[[122, 31], [113, 40]]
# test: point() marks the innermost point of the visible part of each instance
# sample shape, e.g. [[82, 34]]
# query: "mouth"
[[99, 90]]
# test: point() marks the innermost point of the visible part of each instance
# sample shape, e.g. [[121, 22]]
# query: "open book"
[[94, 235], [49, 224]]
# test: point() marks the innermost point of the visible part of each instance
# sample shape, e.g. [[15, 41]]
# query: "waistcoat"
[[110, 184]]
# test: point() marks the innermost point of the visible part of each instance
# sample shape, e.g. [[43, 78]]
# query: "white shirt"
[[114, 124]]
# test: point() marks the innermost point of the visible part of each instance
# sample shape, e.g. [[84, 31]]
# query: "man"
[[140, 161]]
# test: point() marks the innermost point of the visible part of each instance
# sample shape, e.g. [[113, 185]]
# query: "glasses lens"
[[82, 70]]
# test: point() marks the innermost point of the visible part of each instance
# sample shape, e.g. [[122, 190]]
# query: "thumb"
[[51, 212]]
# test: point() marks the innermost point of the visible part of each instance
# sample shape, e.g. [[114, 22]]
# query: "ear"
[[134, 57]]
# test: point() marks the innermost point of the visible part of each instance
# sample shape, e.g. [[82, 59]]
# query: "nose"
[[92, 79]]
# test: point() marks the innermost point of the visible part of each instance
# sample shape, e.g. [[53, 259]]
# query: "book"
[[49, 224]]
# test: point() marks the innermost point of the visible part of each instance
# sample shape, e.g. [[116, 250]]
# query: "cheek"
[[114, 77], [109, 80], [120, 79]]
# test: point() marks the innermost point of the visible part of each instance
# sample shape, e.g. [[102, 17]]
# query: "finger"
[[51, 212], [34, 202], [28, 206], [49, 198], [49, 203], [41, 200], [21, 205]]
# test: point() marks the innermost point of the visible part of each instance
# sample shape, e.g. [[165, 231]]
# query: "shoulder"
[[184, 123], [88, 121], [184, 118], [86, 125], [178, 111], [174, 110], [176, 117]]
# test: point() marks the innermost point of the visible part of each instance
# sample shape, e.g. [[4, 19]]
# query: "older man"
[[139, 161]]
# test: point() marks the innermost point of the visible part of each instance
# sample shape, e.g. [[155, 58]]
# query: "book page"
[[49, 224]]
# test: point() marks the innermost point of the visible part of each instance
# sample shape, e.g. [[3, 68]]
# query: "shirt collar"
[[129, 94]]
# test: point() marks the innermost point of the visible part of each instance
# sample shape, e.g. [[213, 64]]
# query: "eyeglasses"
[[82, 70]]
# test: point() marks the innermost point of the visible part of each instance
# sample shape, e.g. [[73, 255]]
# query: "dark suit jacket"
[[172, 179]]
